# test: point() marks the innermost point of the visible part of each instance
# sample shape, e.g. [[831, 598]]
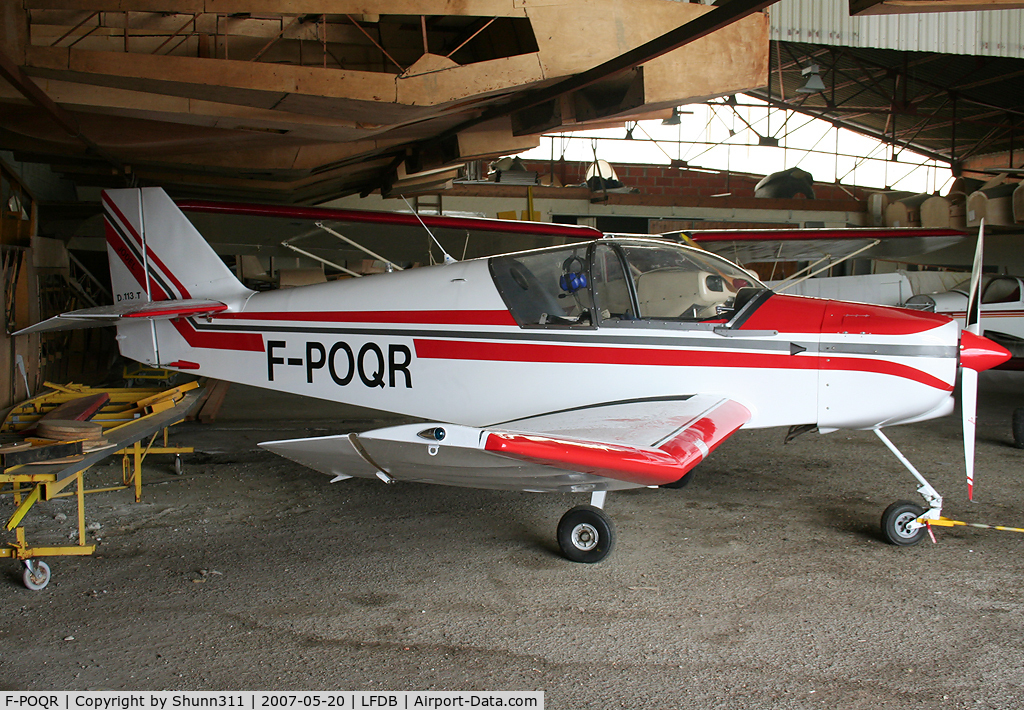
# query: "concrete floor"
[[762, 585]]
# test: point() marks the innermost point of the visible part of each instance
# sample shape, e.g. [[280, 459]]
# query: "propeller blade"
[[968, 409], [968, 376], [973, 322]]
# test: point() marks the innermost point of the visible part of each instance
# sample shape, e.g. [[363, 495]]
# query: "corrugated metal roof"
[[992, 33]]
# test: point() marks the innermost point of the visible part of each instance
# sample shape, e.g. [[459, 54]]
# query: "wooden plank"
[[81, 409], [48, 452], [212, 405]]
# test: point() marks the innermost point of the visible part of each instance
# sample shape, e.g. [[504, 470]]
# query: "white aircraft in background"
[[1002, 309], [596, 366]]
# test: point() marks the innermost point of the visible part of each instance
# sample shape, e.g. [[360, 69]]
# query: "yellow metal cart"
[[128, 420]]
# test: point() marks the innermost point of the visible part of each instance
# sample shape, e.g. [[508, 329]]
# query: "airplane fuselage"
[[442, 343]]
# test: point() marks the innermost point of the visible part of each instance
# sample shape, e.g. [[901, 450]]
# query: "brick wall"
[[665, 180]]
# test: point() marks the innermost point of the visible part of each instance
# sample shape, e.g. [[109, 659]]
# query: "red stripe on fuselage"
[[804, 314], [515, 352], [789, 314], [248, 342]]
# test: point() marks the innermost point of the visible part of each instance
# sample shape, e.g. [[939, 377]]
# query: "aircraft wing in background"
[[754, 246]]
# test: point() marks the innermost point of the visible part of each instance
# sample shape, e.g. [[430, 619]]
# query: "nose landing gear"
[[902, 522]]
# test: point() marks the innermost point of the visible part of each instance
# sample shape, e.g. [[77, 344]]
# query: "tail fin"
[[164, 275], [156, 254]]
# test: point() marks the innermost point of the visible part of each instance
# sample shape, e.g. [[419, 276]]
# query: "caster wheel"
[[896, 520], [36, 575], [586, 534], [179, 467]]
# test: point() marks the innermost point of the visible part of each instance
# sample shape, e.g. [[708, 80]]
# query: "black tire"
[[1018, 427], [586, 534], [895, 520], [681, 483]]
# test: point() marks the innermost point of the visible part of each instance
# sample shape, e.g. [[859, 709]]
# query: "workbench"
[[133, 416]]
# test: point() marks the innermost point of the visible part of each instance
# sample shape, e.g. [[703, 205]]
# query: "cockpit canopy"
[[616, 281]]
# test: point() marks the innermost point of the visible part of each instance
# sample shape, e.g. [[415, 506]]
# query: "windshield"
[[995, 289], [674, 282]]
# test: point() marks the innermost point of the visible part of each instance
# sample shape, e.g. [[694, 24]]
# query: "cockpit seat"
[[673, 293]]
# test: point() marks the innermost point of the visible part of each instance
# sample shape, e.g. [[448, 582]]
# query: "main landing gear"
[[586, 533], [902, 521]]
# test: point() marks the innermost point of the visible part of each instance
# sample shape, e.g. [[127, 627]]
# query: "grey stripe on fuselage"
[[632, 338]]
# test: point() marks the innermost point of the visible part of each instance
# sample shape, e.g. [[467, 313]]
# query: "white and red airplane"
[[600, 365]]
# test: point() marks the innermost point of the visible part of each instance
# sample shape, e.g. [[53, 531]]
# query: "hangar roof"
[[304, 101]]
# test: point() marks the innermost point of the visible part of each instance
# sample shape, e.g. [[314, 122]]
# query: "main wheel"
[[896, 522], [36, 575], [586, 534], [1018, 427]]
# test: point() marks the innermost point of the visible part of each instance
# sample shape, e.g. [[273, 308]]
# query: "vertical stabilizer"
[[156, 254], [144, 226]]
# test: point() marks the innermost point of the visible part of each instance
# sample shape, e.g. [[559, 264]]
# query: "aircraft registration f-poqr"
[[612, 363]]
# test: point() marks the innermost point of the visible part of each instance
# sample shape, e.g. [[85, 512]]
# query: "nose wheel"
[[898, 526], [586, 534]]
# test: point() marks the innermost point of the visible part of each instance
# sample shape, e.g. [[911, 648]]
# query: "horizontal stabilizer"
[[111, 315]]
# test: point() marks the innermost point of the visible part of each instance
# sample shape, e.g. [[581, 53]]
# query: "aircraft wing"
[[110, 315], [754, 246], [604, 447], [235, 228]]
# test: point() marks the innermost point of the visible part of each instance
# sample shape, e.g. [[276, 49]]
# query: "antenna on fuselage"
[[448, 258]]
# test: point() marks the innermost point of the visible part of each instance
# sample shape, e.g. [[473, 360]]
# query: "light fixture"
[[673, 120], [814, 84]]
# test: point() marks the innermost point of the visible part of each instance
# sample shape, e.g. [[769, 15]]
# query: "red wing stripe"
[[512, 352], [712, 429], [641, 465], [170, 310], [391, 317]]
